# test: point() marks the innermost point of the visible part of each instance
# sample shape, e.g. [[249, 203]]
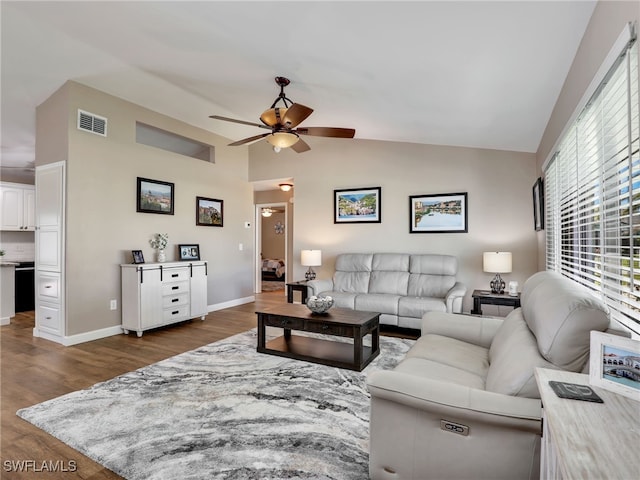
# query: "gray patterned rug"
[[223, 411]]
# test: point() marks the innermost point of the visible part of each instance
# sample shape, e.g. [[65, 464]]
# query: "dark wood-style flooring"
[[34, 370]]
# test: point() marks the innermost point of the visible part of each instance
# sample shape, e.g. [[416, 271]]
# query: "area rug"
[[272, 286], [223, 411]]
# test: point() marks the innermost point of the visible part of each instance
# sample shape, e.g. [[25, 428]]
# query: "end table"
[[301, 287], [486, 297]]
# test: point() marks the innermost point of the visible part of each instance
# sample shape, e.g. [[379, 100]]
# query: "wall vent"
[[90, 122]]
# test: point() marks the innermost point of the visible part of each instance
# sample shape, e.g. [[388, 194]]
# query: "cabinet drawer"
[[49, 286], [284, 322], [175, 275], [175, 314], [48, 318], [175, 300], [323, 327], [174, 288]]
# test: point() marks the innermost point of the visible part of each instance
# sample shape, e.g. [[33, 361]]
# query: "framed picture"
[[189, 252], [209, 212], [445, 213], [360, 205], [614, 364], [137, 256], [538, 205], [154, 196]]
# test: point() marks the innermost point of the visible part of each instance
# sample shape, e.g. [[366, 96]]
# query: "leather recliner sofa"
[[464, 403], [399, 286]]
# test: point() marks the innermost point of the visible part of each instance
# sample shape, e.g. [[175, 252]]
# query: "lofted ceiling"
[[464, 73]]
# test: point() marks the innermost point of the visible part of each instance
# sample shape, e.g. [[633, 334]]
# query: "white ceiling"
[[475, 73]]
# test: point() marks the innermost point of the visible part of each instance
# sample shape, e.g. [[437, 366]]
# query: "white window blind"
[[592, 194]]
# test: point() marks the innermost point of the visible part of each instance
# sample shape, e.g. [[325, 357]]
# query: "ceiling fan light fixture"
[[282, 139], [273, 116], [285, 187], [266, 212]]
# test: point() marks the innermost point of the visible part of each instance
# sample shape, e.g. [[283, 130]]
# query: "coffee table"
[[338, 322]]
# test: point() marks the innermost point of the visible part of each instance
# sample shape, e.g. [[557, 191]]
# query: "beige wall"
[[499, 194], [273, 244], [607, 23], [102, 223]]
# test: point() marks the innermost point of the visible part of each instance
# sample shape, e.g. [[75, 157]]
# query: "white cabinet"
[[17, 205], [157, 294], [49, 281]]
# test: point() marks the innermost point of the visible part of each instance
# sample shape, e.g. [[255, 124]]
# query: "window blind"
[[592, 194]]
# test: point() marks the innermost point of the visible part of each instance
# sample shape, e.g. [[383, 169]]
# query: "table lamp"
[[496, 262], [310, 258]]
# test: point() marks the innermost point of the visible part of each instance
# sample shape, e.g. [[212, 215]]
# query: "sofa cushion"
[[353, 282], [390, 262], [434, 264], [452, 352], [377, 302], [561, 314], [513, 358], [433, 370], [394, 283], [423, 285], [418, 306], [354, 262]]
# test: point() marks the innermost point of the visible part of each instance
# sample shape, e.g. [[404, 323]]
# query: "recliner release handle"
[[453, 427]]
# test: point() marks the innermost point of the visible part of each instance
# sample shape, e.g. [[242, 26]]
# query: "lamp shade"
[[282, 139], [311, 258], [496, 262]]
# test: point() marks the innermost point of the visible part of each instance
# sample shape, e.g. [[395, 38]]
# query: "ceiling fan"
[[282, 122]]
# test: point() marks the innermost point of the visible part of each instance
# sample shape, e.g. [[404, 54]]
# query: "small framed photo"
[[189, 252], [209, 212], [538, 205], [614, 364], [137, 256], [360, 205], [445, 213], [155, 196]]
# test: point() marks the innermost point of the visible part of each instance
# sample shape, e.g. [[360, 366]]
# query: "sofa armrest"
[[314, 287], [449, 398], [454, 297], [467, 328]]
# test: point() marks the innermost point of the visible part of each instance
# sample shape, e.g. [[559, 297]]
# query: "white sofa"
[[475, 375], [401, 287]]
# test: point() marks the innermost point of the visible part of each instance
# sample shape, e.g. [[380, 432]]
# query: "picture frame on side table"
[[189, 251], [538, 205], [614, 364], [138, 257], [357, 205], [438, 213], [209, 212], [154, 196]]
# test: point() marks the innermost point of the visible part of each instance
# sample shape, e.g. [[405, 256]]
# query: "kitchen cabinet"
[[158, 294], [18, 206]]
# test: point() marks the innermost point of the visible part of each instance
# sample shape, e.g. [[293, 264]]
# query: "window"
[[592, 194]]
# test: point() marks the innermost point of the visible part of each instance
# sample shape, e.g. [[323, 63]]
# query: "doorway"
[[272, 227]]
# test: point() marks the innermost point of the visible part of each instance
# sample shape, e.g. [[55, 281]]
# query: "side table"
[[301, 287], [486, 297]]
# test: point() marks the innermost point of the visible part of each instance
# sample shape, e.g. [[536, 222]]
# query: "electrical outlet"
[[113, 304]]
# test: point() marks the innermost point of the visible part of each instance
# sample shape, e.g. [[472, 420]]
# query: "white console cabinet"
[[158, 294]]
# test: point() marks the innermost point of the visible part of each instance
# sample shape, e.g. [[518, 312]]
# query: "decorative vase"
[[161, 256]]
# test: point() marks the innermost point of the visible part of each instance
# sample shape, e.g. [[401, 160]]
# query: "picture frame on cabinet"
[[154, 196], [209, 212], [614, 364], [189, 252], [357, 205], [438, 213], [138, 257]]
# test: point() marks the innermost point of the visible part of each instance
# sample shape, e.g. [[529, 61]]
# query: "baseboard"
[[231, 303]]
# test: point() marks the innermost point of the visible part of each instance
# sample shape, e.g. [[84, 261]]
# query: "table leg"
[[287, 333], [477, 306], [357, 348], [289, 294], [261, 332]]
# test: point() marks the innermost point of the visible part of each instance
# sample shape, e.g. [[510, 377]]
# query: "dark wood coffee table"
[[338, 322]]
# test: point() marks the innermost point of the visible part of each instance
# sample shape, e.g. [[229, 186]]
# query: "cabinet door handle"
[[174, 275], [175, 313], [48, 286], [175, 300], [175, 288], [47, 318], [284, 321], [325, 327]]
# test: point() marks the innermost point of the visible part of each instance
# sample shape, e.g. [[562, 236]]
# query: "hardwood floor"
[[34, 370]]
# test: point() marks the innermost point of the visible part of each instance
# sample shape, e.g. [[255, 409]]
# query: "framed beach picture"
[[614, 364], [189, 252], [209, 212], [155, 196], [359, 205], [444, 213]]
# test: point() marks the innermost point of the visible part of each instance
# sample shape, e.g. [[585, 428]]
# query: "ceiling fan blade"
[[244, 141], [300, 146], [295, 115], [227, 119], [327, 132]]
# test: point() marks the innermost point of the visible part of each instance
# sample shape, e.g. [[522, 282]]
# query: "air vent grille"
[[90, 122]]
